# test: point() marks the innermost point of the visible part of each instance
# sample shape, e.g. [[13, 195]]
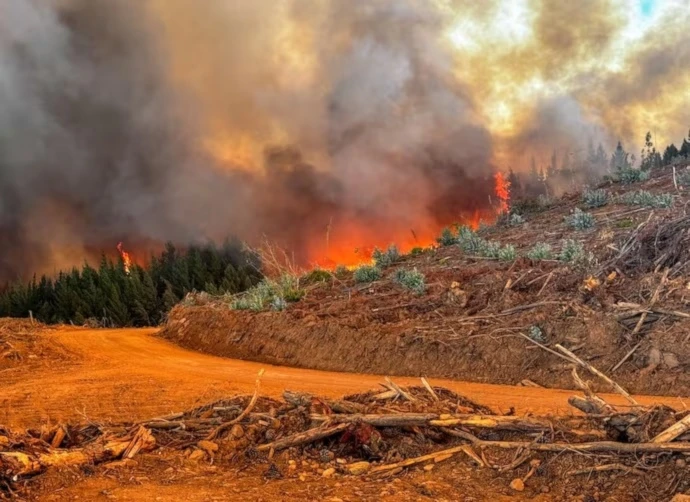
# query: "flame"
[[502, 192], [126, 258]]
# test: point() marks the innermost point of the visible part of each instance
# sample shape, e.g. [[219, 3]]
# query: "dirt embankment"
[[471, 322]]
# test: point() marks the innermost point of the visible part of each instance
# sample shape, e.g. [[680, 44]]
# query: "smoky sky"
[[183, 120]]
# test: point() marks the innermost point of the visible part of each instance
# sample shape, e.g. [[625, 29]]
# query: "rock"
[[197, 455], [654, 357], [429, 467], [670, 360], [341, 461], [517, 484], [208, 446], [4, 442], [681, 463], [328, 473], [237, 431], [359, 468]]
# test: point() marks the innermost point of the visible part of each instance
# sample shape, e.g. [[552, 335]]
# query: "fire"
[[502, 192], [126, 258]]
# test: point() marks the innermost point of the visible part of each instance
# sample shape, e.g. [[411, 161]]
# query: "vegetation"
[[270, 293], [632, 175], [515, 220], [317, 275], [416, 251], [385, 259], [410, 279], [580, 220], [573, 252], [647, 199], [447, 238], [367, 273], [540, 251], [340, 271], [535, 333], [112, 296], [507, 253], [595, 198]]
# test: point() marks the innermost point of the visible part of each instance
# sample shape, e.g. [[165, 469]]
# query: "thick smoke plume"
[[321, 125]]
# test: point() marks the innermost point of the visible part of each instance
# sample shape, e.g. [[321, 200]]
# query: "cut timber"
[[303, 438], [443, 454], [432, 419], [676, 430]]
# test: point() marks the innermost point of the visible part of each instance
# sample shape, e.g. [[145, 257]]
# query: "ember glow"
[[326, 127]]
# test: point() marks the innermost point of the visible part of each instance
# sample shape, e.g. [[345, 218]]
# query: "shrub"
[[572, 252], [631, 175], [595, 198], [340, 271], [515, 220], [540, 251], [446, 238], [580, 220], [385, 259], [535, 333], [416, 251], [507, 253], [470, 242], [683, 177], [270, 293], [410, 279], [647, 199], [317, 275], [367, 273]]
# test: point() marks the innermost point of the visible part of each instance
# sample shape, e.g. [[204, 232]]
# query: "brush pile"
[[377, 434]]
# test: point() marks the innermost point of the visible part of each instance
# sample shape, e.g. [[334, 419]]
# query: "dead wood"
[[214, 433], [595, 371], [445, 454], [606, 467], [676, 430], [304, 437], [498, 422]]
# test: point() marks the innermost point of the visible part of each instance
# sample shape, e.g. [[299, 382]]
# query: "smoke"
[[321, 125]]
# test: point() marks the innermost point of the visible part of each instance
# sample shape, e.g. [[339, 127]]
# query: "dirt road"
[[131, 374]]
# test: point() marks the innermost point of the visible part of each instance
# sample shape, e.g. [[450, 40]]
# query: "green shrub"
[[470, 242], [647, 199], [340, 271], [625, 223], [595, 198], [317, 275], [536, 334], [416, 251], [540, 251], [270, 293], [573, 252], [507, 253], [367, 273], [447, 238], [683, 177], [385, 259], [580, 220], [515, 220], [410, 279], [631, 175]]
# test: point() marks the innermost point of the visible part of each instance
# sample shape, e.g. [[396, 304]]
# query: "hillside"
[[620, 302]]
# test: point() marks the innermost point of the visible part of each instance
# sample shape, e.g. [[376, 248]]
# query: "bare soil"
[[468, 323]]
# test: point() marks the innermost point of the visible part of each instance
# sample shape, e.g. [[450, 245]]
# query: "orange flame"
[[126, 258], [502, 192]]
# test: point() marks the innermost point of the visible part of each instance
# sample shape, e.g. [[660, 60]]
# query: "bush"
[[515, 220], [410, 279], [683, 177], [535, 333], [340, 271], [367, 273], [647, 199], [270, 293], [446, 238], [573, 252], [540, 251], [631, 175], [416, 251], [595, 198], [385, 259], [470, 242], [507, 253], [317, 275], [580, 220]]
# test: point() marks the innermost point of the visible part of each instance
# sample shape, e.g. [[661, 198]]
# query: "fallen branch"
[[676, 430], [304, 437], [606, 467], [595, 371], [214, 433], [499, 422], [445, 454]]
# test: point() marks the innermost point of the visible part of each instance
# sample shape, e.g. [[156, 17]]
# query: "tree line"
[[116, 295], [576, 168]]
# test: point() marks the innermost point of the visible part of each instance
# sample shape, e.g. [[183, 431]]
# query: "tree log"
[[677, 429], [304, 437]]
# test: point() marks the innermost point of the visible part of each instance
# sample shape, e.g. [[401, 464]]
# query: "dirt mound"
[[391, 444], [22, 344], [475, 318]]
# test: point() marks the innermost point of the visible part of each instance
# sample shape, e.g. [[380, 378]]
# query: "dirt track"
[[132, 374]]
